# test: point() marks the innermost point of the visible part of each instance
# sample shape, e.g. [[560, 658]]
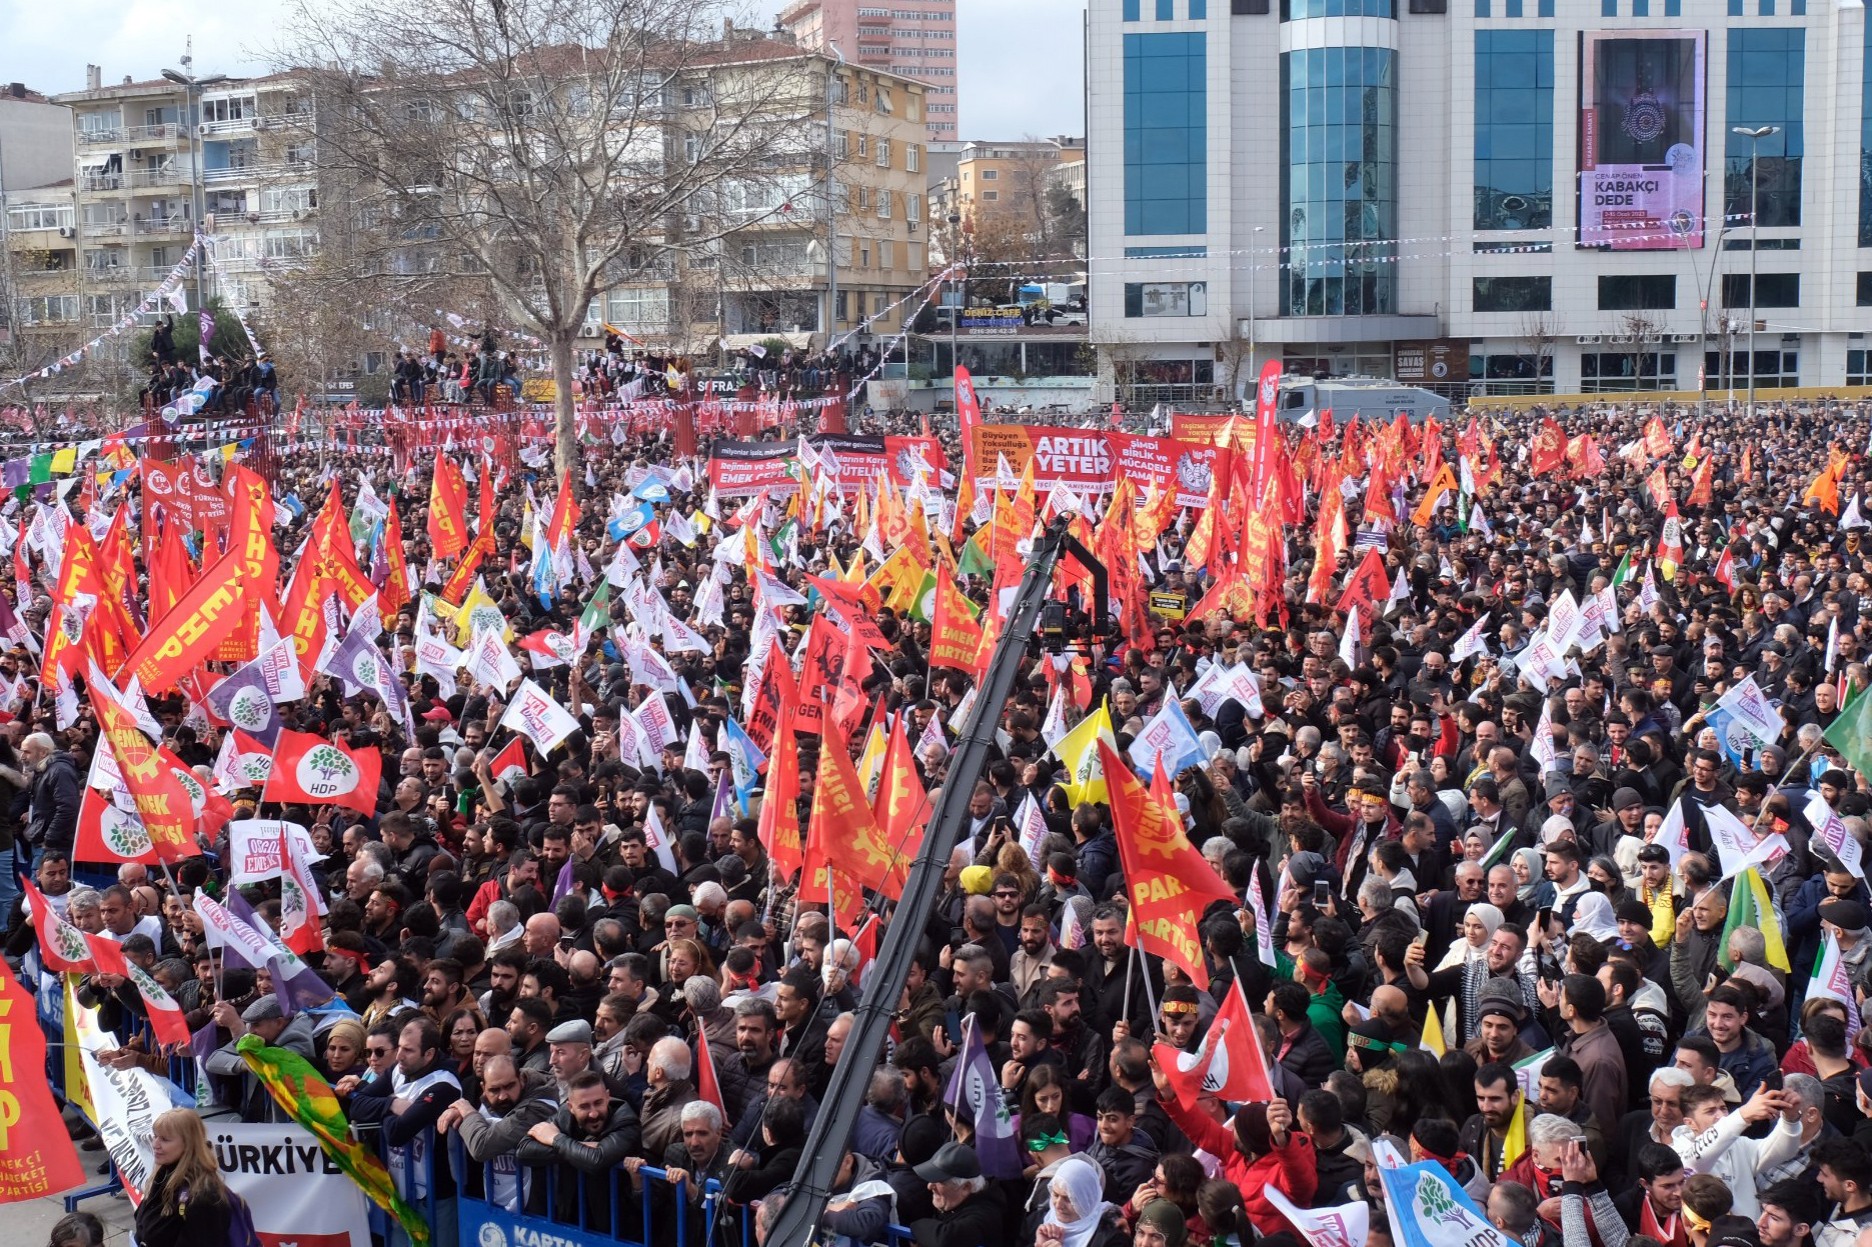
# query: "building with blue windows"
[[1482, 196]]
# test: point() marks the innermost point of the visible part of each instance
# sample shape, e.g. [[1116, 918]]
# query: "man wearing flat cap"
[[265, 1018]]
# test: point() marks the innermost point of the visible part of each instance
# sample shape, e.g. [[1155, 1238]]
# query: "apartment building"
[[911, 38]]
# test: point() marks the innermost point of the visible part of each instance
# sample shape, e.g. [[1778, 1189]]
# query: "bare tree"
[[554, 149], [1538, 335]]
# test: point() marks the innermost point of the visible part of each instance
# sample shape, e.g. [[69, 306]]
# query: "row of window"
[[1166, 10], [878, 150], [1645, 292]]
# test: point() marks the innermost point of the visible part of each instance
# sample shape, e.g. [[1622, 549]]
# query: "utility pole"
[[198, 188], [831, 138], [1754, 136]]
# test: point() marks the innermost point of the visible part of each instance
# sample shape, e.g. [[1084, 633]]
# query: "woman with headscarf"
[[1076, 1213], [1593, 916], [1469, 957], [1370, 1053], [1532, 886]]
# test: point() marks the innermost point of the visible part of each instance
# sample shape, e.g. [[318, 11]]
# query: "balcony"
[[161, 226], [101, 136], [290, 170], [105, 229], [101, 182], [232, 125]]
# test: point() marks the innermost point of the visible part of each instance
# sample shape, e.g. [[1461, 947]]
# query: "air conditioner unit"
[[913, 227], [298, 214], [1589, 339], [1682, 338], [253, 218], [261, 123], [202, 129], [66, 231]]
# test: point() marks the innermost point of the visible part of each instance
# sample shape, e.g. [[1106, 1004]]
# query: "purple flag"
[[974, 1085], [206, 324], [243, 700], [724, 806], [296, 984]]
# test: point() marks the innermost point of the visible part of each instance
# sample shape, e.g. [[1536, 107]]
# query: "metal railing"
[[168, 132]]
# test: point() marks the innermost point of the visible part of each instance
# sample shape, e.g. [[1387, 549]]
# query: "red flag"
[[565, 516], [395, 593], [1725, 570], [1166, 880], [62, 946], [448, 509], [1370, 583], [1549, 452], [311, 769], [955, 637], [779, 828], [848, 702], [161, 799], [707, 1085], [844, 833], [336, 556], [968, 416], [299, 900], [192, 630], [165, 1015], [108, 834], [1229, 1065], [510, 761], [37, 1160]]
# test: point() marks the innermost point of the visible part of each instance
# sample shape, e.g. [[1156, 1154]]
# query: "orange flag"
[[395, 592], [192, 630], [1701, 490], [955, 637], [161, 800], [1167, 882], [448, 509], [337, 557], [779, 829], [844, 851], [250, 533], [902, 806], [1445, 479]]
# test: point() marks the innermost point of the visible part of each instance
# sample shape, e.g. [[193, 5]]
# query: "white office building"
[[1503, 196]]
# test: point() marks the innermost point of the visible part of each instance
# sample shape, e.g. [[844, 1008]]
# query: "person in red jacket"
[[1262, 1150]]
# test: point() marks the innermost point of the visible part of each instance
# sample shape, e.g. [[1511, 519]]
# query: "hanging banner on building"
[[854, 460], [1089, 462], [1212, 427], [296, 1193], [1641, 139]]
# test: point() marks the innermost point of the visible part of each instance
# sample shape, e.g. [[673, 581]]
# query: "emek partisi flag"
[[537, 716], [33, 1161]]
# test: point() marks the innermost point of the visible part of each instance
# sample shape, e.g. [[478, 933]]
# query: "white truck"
[[1368, 398]]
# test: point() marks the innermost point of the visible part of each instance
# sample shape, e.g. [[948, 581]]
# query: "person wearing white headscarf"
[[1077, 1213], [1592, 915], [1469, 954]]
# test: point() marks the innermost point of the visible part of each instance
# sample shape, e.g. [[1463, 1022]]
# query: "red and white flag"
[[509, 764], [1229, 1065], [62, 946], [313, 770], [708, 1086], [300, 902], [165, 1014]]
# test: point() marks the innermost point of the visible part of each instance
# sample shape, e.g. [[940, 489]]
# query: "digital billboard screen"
[[1641, 140]]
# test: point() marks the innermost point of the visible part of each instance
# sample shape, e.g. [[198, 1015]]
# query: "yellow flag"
[[77, 1087], [1078, 749], [871, 761], [1516, 1143], [1432, 1041], [479, 608], [63, 461]]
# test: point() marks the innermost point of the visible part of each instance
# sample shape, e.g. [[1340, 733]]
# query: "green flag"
[[1749, 906], [1851, 733], [1623, 572], [304, 1095], [40, 469], [597, 611]]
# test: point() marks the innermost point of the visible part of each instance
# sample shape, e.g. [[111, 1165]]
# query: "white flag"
[[489, 661], [1832, 831], [1471, 642], [534, 714], [1736, 845]]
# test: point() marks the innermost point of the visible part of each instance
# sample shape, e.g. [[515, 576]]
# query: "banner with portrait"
[[1641, 140]]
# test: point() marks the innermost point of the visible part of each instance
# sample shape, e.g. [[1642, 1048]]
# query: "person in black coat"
[[1303, 1051], [970, 1210]]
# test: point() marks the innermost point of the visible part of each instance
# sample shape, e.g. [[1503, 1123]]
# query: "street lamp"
[[198, 191], [1754, 136], [1254, 266]]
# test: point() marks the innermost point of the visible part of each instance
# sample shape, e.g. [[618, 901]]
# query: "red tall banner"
[[968, 412], [1267, 407], [34, 1161], [448, 509]]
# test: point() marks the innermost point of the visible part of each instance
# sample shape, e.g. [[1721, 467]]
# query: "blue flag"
[[974, 1089], [1428, 1208], [745, 760]]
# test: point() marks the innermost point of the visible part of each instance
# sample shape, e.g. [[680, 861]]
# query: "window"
[[1647, 292], [913, 157], [1338, 170], [991, 194], [989, 175], [1131, 10], [1672, 8], [913, 208], [1514, 98], [884, 101], [48, 309], [883, 204], [1858, 369], [1198, 10], [841, 146], [1608, 8], [1771, 290], [1772, 367], [280, 199], [887, 254], [648, 307], [1865, 290], [1513, 294], [1767, 77], [1294, 10], [1166, 169], [696, 95], [39, 216], [1612, 372], [864, 254], [1154, 299], [864, 146], [883, 153]]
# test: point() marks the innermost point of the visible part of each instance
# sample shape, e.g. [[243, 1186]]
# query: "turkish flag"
[[312, 769]]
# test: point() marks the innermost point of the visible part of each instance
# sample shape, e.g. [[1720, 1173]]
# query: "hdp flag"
[[974, 1089]]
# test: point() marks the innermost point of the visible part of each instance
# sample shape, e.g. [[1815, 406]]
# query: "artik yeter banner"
[[736, 468], [1641, 139], [1088, 461]]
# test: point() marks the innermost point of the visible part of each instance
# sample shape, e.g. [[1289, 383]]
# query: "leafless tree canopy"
[[554, 149]]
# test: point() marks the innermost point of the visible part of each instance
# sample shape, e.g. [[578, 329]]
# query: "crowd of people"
[[1443, 838], [230, 383]]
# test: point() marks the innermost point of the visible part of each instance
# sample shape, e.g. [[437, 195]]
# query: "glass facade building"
[[1767, 80], [1339, 181], [1514, 107], [1166, 106]]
